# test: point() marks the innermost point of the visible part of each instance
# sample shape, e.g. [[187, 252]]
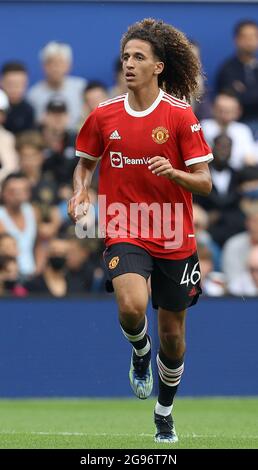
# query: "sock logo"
[[114, 262]]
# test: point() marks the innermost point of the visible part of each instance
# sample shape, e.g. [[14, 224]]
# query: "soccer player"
[[153, 153]]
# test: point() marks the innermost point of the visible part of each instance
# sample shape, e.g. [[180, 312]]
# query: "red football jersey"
[[141, 208]]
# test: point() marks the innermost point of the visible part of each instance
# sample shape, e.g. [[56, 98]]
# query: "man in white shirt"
[[57, 60], [246, 283], [226, 111]]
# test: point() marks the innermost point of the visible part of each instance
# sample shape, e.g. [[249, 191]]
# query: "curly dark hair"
[[182, 68]]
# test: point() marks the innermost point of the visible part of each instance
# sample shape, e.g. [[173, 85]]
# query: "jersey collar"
[[147, 111]]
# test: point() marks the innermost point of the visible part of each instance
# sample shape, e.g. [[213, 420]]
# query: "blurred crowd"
[[39, 252]]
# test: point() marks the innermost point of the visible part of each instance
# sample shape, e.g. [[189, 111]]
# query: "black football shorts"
[[175, 284]]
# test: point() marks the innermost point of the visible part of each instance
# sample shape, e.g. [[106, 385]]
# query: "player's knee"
[[131, 312], [171, 339], [129, 306]]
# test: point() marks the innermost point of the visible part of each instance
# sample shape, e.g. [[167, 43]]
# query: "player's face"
[[140, 66]]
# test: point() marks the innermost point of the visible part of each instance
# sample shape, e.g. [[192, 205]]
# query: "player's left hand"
[[161, 166]]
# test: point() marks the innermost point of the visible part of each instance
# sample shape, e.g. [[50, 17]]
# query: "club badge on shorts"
[[114, 262], [160, 135]]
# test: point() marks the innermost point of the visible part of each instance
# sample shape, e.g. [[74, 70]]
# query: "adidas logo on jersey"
[[115, 135]]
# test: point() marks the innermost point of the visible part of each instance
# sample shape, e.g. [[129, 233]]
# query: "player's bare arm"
[[81, 182], [198, 181]]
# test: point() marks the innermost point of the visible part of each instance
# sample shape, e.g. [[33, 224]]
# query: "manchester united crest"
[[114, 262], [160, 135]]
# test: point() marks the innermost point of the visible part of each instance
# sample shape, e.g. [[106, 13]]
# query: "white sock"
[[163, 410], [143, 351]]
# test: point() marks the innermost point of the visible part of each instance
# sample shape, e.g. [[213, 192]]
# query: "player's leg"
[[170, 362], [132, 298], [175, 287]]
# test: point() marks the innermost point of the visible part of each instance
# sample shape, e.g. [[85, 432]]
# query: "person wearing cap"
[[8, 156], [59, 142], [56, 60], [56, 116]]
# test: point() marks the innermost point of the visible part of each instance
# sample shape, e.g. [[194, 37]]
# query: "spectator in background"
[[203, 237], [213, 282], [236, 250], [201, 105], [80, 272], [53, 280], [56, 59], [59, 143], [59, 160], [8, 245], [246, 283], [9, 277], [222, 204], [226, 112], [120, 87], [248, 188], [8, 157], [30, 148], [240, 72], [94, 93], [19, 219], [14, 81]]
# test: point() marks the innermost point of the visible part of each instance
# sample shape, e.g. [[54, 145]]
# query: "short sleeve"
[[192, 144], [89, 143]]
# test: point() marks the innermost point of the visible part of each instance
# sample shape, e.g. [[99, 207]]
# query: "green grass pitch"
[[125, 424]]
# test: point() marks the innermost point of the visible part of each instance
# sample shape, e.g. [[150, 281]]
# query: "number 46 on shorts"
[[192, 277]]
